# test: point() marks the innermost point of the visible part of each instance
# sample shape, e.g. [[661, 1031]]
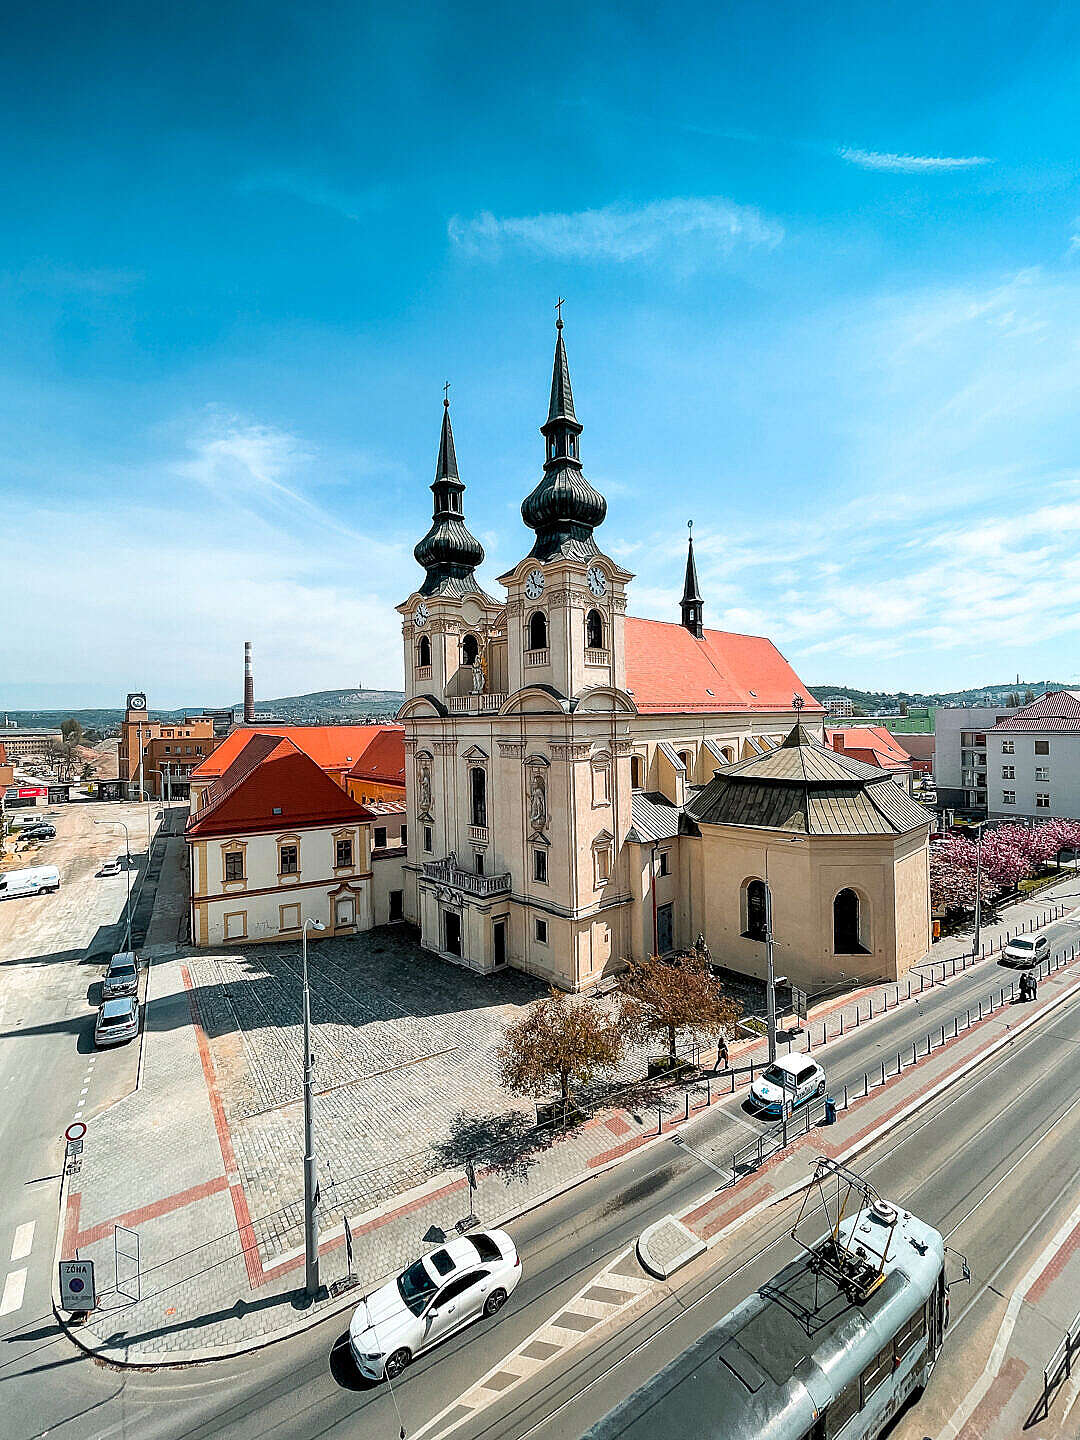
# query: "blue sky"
[[822, 269]]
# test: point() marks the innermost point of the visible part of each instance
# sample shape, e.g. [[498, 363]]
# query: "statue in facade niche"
[[538, 811], [423, 775]]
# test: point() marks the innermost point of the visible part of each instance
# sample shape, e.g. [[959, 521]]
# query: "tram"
[[829, 1349]]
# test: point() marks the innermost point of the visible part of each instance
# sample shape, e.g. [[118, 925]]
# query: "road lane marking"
[[23, 1242], [13, 1292], [963, 1412]]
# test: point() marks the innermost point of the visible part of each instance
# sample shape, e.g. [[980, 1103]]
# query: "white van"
[[23, 818], [41, 880]]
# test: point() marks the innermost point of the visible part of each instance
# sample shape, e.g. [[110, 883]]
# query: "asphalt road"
[[307, 1386], [50, 1073]]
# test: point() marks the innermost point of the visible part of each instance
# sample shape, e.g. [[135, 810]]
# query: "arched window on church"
[[478, 791], [594, 630], [847, 924], [423, 652], [755, 910], [687, 758], [470, 649], [637, 772], [538, 631]]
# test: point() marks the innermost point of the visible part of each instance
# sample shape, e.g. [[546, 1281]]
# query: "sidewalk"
[[214, 1279]]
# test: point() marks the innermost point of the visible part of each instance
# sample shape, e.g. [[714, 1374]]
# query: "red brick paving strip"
[[252, 1259]]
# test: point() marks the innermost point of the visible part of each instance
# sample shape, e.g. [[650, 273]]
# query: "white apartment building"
[[960, 756], [1033, 760]]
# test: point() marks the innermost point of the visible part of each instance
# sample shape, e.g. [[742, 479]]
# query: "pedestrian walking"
[[1034, 987], [722, 1054]]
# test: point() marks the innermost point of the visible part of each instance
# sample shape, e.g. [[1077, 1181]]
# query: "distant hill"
[[886, 702], [321, 707]]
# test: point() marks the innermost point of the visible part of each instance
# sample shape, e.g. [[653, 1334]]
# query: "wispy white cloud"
[[621, 233], [352, 204], [911, 164]]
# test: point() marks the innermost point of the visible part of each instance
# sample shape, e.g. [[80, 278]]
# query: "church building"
[[557, 752]]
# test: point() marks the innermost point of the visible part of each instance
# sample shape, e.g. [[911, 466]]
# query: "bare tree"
[[559, 1040], [662, 997]]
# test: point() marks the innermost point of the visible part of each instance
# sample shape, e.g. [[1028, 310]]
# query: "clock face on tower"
[[136, 702], [420, 614], [597, 580], [534, 584]]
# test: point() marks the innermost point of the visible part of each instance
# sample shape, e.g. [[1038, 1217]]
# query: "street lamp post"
[[770, 968], [127, 873], [311, 1186]]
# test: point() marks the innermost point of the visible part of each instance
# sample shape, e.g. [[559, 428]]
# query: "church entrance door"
[[452, 930], [664, 929]]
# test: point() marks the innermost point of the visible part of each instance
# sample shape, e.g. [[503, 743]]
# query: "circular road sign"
[[76, 1285], [75, 1131]]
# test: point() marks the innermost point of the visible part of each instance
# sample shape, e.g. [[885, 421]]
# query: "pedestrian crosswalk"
[[15, 1284]]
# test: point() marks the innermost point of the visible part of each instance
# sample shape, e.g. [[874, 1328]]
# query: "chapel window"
[[538, 631]]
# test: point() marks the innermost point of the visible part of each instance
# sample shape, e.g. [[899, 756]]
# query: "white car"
[[792, 1080], [110, 867], [1026, 950], [433, 1298]]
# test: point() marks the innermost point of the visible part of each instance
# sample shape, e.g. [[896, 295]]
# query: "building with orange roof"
[[874, 745], [336, 749], [277, 840], [554, 746]]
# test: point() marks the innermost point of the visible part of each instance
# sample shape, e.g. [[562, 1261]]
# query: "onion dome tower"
[[448, 552], [564, 508]]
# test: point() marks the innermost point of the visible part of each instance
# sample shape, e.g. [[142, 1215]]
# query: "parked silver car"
[[117, 1021], [122, 976]]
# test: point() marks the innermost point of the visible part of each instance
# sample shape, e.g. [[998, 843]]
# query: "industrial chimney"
[[249, 686]]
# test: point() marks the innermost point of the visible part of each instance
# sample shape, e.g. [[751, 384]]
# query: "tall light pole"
[[770, 970], [127, 873], [311, 1185]]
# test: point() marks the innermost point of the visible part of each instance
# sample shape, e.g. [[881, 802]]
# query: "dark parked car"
[[37, 832]]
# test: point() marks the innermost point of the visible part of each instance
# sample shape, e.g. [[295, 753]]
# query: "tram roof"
[[797, 1337]]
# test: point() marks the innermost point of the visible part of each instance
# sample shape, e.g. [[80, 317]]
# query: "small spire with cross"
[[558, 312], [446, 395]]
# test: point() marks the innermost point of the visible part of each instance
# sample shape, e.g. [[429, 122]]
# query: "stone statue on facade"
[[423, 785], [538, 811]]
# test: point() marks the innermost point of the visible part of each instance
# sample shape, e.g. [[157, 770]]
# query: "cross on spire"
[[446, 395], [558, 311]]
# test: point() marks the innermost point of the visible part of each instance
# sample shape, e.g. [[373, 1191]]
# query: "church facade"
[[554, 745]]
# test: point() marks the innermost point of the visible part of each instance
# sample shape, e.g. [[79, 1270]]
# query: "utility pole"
[[770, 977], [311, 1184], [978, 895], [127, 875]]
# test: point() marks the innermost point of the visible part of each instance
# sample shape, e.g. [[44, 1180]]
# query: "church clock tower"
[[566, 601]]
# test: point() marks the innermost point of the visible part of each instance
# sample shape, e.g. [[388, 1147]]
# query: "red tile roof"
[[332, 747], [668, 670], [384, 758], [872, 744], [1056, 710], [273, 785]]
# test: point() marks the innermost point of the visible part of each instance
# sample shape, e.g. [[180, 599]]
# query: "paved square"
[[404, 1043]]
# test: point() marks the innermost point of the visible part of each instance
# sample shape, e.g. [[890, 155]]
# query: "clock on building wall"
[[420, 614], [136, 702], [597, 580], [534, 584]]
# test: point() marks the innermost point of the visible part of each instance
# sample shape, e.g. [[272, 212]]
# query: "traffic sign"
[[77, 1285], [75, 1131]]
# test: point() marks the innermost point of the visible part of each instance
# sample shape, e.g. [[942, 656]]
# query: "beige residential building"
[[553, 745]]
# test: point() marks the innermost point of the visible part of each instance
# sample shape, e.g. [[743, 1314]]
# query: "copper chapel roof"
[[804, 787]]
